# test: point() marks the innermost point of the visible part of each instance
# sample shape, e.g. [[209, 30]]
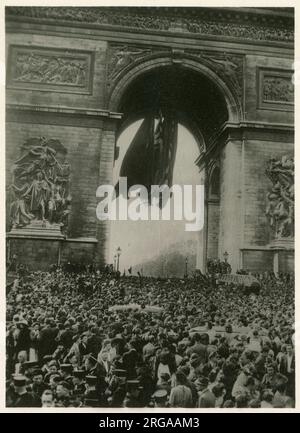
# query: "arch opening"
[[200, 109], [190, 95], [157, 248]]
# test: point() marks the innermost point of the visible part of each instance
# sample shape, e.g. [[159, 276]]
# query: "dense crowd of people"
[[97, 339]]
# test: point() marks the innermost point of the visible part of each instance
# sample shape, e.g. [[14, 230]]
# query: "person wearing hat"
[[250, 389], [37, 387], [47, 398], [120, 374], [181, 395], [189, 383], [241, 401], [219, 392], [76, 399], [241, 380], [115, 396], [54, 379], [90, 365], [132, 398], [280, 399], [66, 371], [206, 397], [60, 353], [165, 382], [160, 398], [23, 341], [23, 397], [116, 387], [52, 367], [63, 392], [146, 380], [260, 362], [19, 366], [195, 366], [79, 381], [47, 343], [198, 347], [45, 363], [287, 368], [269, 379], [130, 359], [95, 339], [29, 366], [91, 402], [267, 398], [91, 392], [149, 348], [103, 365], [118, 362], [66, 335]]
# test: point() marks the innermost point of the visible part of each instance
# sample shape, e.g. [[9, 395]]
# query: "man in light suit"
[[287, 368]]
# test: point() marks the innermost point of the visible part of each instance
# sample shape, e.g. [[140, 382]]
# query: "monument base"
[[37, 230], [41, 244], [283, 258], [283, 244]]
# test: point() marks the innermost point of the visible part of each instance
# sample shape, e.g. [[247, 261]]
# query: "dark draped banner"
[[151, 155]]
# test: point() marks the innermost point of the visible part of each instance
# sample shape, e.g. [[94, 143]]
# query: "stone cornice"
[[239, 131], [242, 23], [64, 110]]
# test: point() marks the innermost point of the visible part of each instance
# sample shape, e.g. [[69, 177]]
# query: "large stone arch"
[[255, 52]]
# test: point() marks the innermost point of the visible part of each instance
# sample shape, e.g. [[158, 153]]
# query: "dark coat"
[[24, 400]]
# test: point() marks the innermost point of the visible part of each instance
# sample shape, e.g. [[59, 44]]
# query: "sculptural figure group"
[[40, 186], [280, 200]]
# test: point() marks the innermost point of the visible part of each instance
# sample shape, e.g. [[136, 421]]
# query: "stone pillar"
[[202, 236], [107, 152], [231, 212], [276, 262], [281, 246]]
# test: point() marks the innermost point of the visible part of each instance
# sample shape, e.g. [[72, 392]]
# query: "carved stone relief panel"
[[275, 89], [59, 70]]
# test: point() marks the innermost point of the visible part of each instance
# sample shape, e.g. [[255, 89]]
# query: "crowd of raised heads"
[[98, 339]]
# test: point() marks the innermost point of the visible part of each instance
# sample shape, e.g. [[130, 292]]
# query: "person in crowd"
[[287, 368], [207, 398], [47, 399], [266, 399], [22, 397], [181, 395]]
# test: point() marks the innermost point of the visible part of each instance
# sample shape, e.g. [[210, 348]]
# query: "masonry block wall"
[[257, 260], [35, 253], [255, 110], [257, 153], [213, 218], [230, 202], [271, 136], [106, 178], [83, 146]]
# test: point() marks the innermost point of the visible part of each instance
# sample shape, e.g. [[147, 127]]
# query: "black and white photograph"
[[149, 175]]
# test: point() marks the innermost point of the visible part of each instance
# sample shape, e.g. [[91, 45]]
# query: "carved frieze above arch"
[[235, 23], [122, 56], [229, 67]]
